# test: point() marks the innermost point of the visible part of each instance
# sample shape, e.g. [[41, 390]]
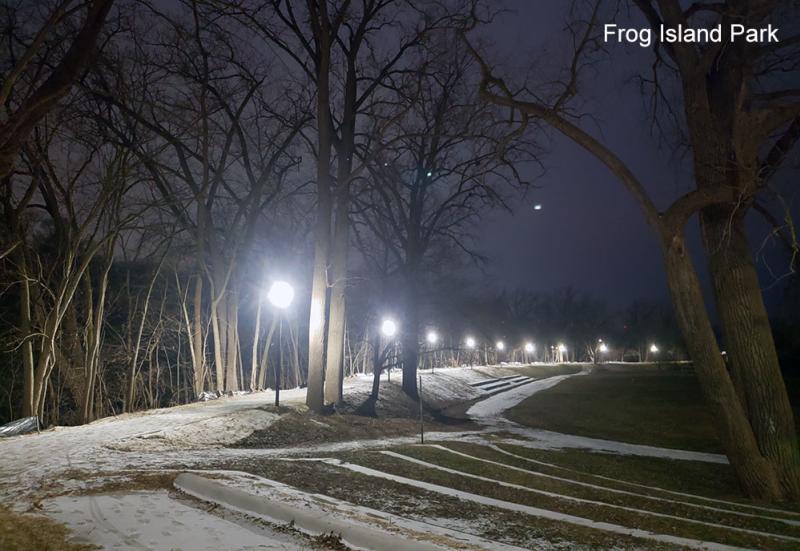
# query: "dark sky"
[[589, 234]]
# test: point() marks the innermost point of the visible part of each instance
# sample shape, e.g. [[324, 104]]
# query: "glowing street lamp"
[[653, 349], [470, 342], [388, 328], [432, 337], [280, 294], [562, 347], [530, 348], [603, 348], [500, 345]]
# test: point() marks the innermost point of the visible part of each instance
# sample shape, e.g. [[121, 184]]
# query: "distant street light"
[[530, 348], [500, 345], [603, 348], [432, 337], [281, 294], [470, 342], [653, 348], [388, 328], [562, 347]]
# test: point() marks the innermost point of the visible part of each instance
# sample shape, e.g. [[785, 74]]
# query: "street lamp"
[[653, 349], [500, 345], [561, 349], [530, 348], [432, 339], [280, 295], [470, 342], [388, 328], [603, 348]]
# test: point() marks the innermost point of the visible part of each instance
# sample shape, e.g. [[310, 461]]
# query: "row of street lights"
[[281, 295]]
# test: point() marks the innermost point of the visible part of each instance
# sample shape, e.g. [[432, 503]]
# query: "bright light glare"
[[537, 206], [432, 337], [470, 342], [388, 328], [529, 348], [562, 347], [653, 348], [603, 348], [430, 174], [281, 294], [500, 345]]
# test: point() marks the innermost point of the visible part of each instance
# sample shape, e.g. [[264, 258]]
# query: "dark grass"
[[530, 480], [649, 407], [598, 513], [662, 408], [705, 479], [24, 532]]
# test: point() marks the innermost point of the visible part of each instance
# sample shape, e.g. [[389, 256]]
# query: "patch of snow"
[[491, 408], [338, 512], [155, 521], [549, 440]]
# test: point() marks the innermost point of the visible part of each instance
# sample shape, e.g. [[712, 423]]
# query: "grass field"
[[642, 406]]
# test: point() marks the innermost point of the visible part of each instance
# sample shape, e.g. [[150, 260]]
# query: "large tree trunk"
[[752, 357], [755, 473], [410, 338], [318, 314], [336, 324]]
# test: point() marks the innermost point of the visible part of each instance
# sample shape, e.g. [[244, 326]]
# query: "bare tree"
[[730, 120], [38, 75], [442, 164]]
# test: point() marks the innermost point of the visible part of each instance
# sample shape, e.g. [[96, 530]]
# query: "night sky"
[[590, 234]]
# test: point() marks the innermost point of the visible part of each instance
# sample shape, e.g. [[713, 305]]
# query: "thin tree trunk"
[[231, 361], [198, 358], [262, 371], [254, 354]]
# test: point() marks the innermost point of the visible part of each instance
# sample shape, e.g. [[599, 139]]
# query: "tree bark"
[[753, 471], [232, 348], [410, 339], [318, 313], [199, 366], [751, 353]]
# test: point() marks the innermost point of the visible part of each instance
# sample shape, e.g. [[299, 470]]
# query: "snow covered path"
[[490, 410], [195, 436]]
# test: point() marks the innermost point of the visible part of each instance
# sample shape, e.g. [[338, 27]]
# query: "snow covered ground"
[[33, 467]]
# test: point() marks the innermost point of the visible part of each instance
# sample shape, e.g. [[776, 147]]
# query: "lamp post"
[[432, 339], [562, 348], [530, 348], [602, 350], [280, 295], [499, 346], [470, 342], [389, 330], [652, 350]]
